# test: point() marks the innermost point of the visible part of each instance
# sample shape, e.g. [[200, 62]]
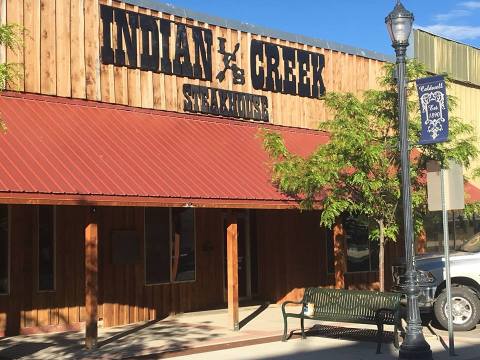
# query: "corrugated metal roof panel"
[[441, 55], [80, 148]]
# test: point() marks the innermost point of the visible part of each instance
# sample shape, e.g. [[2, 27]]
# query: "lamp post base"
[[415, 350]]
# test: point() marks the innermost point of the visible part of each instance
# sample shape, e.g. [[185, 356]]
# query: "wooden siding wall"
[[123, 297], [25, 307], [61, 56], [292, 255]]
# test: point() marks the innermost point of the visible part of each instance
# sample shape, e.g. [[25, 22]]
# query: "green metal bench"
[[354, 306]]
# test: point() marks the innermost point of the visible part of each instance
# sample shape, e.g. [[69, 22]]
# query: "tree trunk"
[[422, 242], [339, 254], [381, 256]]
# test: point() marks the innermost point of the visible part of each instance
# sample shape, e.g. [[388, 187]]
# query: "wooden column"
[[339, 254], [91, 282], [232, 271]]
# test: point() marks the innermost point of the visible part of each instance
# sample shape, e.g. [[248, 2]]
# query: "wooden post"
[[339, 254], [91, 283], [232, 271]]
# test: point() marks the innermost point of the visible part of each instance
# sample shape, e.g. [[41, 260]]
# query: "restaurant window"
[[157, 245], [460, 229], [362, 253], [183, 245], [169, 245], [46, 248], [4, 250]]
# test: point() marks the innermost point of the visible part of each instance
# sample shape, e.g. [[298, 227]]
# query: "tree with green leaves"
[[11, 38], [358, 171]]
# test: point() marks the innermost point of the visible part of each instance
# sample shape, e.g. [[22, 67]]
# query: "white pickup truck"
[[465, 275]]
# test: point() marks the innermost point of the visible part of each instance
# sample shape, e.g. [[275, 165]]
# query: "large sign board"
[[141, 41], [146, 54]]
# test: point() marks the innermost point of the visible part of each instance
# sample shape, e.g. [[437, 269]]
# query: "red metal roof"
[[75, 151], [472, 193]]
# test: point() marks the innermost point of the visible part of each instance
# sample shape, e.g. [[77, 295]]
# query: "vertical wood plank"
[[134, 86], [91, 284], [62, 20], [92, 61], [107, 77], [15, 56], [31, 23], [77, 50], [146, 77], [48, 62], [232, 272], [179, 80], [3, 21], [158, 79], [120, 72]]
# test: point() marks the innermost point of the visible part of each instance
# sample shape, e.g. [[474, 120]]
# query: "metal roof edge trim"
[[444, 38], [111, 200], [259, 30], [180, 115]]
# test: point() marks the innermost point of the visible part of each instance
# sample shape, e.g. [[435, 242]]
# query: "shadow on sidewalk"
[[345, 333], [23, 350], [253, 315]]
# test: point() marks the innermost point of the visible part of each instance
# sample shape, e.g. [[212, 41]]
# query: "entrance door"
[[244, 258]]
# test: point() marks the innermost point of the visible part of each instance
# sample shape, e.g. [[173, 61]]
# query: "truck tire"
[[465, 308]]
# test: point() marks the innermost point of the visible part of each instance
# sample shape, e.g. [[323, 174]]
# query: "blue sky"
[[351, 22]]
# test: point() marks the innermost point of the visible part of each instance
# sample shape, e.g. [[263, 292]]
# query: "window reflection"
[[183, 245], [460, 230], [46, 248], [362, 253]]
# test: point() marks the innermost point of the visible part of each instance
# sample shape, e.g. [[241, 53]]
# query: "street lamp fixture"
[[399, 24]]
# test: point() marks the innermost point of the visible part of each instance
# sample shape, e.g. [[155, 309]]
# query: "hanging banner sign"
[[432, 95]]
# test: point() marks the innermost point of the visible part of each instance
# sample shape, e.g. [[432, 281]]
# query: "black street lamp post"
[[399, 23]]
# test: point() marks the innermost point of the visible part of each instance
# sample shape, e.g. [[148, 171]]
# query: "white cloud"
[[454, 32], [471, 4], [454, 14]]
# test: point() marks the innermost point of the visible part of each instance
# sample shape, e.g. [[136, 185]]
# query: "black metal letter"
[[187, 102], [290, 81], [257, 114], [203, 48], [273, 60], [149, 61], [204, 100], [165, 30], [256, 51], [303, 68], [318, 86], [106, 13], [129, 31], [264, 100], [182, 67], [213, 101]]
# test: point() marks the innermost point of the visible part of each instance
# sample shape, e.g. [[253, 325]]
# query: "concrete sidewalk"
[[205, 335]]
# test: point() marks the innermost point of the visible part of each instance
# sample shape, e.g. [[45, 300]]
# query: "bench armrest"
[[292, 302]]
